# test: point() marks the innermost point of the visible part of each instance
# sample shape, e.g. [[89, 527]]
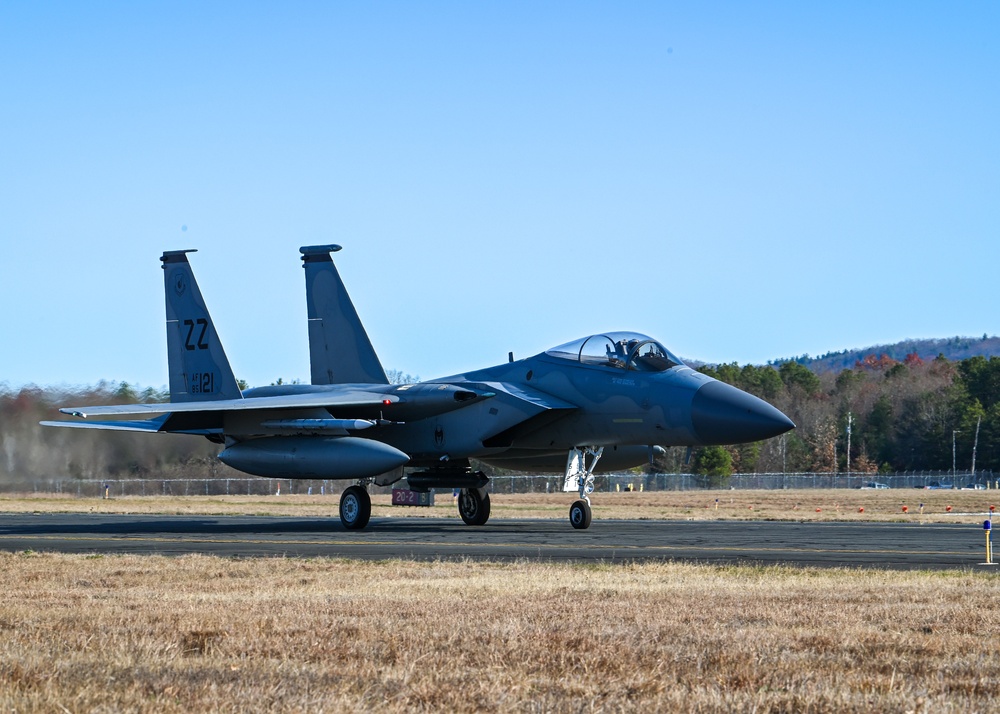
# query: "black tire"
[[473, 507], [580, 515], [355, 508]]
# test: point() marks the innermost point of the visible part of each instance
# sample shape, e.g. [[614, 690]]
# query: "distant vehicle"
[[874, 485], [974, 487], [935, 486]]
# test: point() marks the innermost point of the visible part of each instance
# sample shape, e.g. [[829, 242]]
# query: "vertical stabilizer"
[[339, 349], [199, 370]]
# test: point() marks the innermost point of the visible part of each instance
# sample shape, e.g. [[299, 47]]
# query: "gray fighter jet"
[[609, 400]]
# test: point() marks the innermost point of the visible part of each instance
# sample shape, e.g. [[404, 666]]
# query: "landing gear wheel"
[[355, 508], [580, 515], [473, 506]]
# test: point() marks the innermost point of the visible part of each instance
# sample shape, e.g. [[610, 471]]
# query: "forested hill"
[[953, 348]]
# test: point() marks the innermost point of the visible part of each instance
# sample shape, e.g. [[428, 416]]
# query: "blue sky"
[[742, 181]]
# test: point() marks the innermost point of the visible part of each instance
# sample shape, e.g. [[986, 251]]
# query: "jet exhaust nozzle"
[[347, 457]]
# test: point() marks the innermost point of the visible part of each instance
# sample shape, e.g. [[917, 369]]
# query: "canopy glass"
[[622, 350]]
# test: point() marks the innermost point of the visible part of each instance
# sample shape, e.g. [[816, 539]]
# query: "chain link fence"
[[765, 481], [91, 488]]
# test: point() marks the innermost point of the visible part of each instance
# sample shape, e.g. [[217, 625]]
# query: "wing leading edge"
[[399, 404], [345, 399]]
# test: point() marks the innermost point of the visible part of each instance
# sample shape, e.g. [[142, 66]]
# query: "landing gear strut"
[[355, 508], [580, 478], [474, 506]]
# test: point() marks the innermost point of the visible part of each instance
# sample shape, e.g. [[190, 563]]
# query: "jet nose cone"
[[722, 414]]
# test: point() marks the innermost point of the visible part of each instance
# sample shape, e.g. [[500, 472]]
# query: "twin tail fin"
[[339, 349], [199, 369]]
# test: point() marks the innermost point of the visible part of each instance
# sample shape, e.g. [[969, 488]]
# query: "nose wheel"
[[580, 515], [355, 508]]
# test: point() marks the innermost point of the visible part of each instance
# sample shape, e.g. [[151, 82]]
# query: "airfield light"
[[988, 529]]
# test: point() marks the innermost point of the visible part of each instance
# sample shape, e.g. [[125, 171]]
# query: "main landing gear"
[[473, 498], [474, 506], [580, 478], [355, 508]]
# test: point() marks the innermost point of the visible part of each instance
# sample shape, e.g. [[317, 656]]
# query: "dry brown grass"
[[198, 633], [798, 505]]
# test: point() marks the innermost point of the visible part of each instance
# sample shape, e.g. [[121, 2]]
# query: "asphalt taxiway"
[[865, 545]]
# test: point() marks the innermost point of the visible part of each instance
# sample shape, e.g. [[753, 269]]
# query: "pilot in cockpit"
[[617, 358]]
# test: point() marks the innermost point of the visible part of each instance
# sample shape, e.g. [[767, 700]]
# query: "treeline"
[[29, 451], [904, 415], [953, 348]]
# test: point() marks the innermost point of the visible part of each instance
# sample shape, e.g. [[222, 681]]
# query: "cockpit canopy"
[[624, 350]]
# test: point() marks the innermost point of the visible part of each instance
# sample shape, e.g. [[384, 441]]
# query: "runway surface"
[[874, 545]]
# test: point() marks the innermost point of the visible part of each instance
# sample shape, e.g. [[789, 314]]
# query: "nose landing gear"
[[580, 478]]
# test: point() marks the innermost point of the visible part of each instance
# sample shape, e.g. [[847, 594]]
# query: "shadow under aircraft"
[[602, 403]]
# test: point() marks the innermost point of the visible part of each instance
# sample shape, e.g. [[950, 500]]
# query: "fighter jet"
[[604, 402]]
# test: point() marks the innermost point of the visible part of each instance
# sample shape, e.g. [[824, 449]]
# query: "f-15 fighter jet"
[[608, 400]]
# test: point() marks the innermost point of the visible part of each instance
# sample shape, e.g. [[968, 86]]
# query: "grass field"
[[202, 633], [198, 633], [798, 505]]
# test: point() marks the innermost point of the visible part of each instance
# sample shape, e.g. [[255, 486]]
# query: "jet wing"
[[394, 403], [338, 399], [145, 426]]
